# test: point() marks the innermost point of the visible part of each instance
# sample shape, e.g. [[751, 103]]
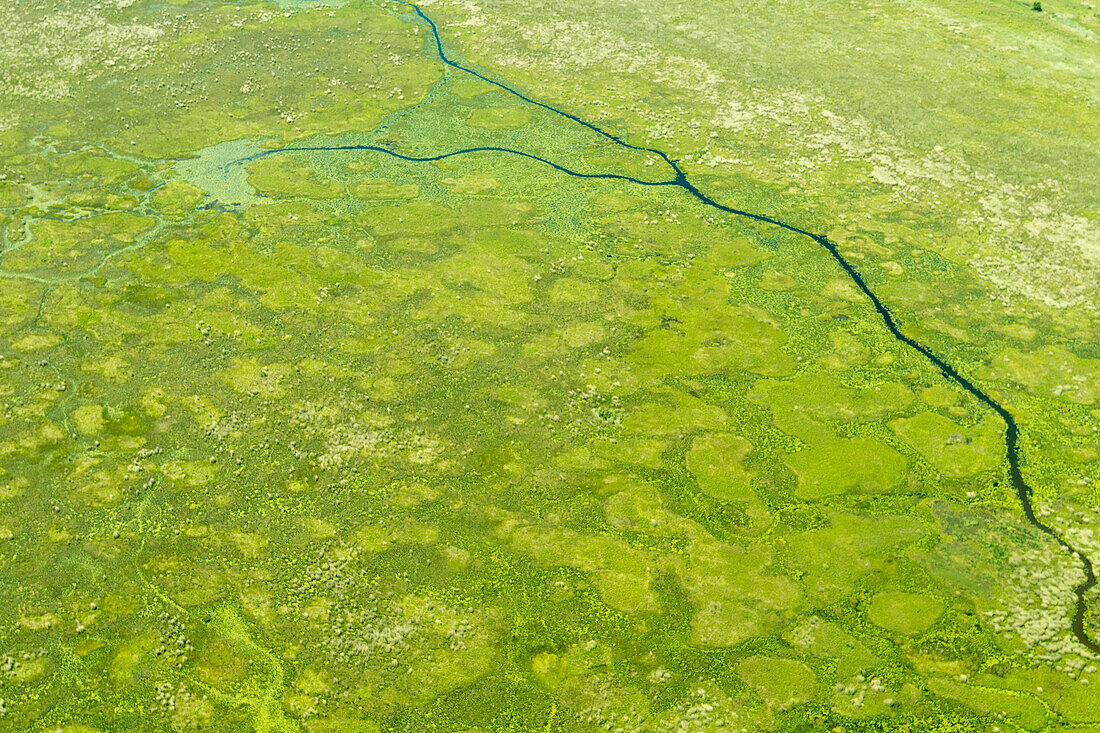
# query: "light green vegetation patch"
[[717, 462], [1055, 371], [215, 170], [472, 184], [176, 199], [1024, 710], [821, 396], [905, 613], [414, 218], [383, 190], [735, 595], [708, 340], [781, 682], [507, 118], [279, 177], [832, 464], [89, 419], [836, 557], [955, 450], [66, 247], [622, 574], [1060, 694], [828, 640]]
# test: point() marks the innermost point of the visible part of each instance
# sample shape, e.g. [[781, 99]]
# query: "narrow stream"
[[680, 180]]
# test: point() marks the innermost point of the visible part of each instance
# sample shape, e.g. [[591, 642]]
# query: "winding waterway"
[[680, 180]]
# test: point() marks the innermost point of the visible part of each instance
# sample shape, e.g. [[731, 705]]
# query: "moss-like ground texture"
[[329, 441]]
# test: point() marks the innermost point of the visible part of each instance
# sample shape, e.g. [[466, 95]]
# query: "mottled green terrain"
[[331, 441]]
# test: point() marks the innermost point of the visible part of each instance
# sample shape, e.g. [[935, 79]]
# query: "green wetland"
[[524, 366]]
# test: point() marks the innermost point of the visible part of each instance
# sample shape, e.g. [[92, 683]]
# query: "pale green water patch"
[[217, 171]]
